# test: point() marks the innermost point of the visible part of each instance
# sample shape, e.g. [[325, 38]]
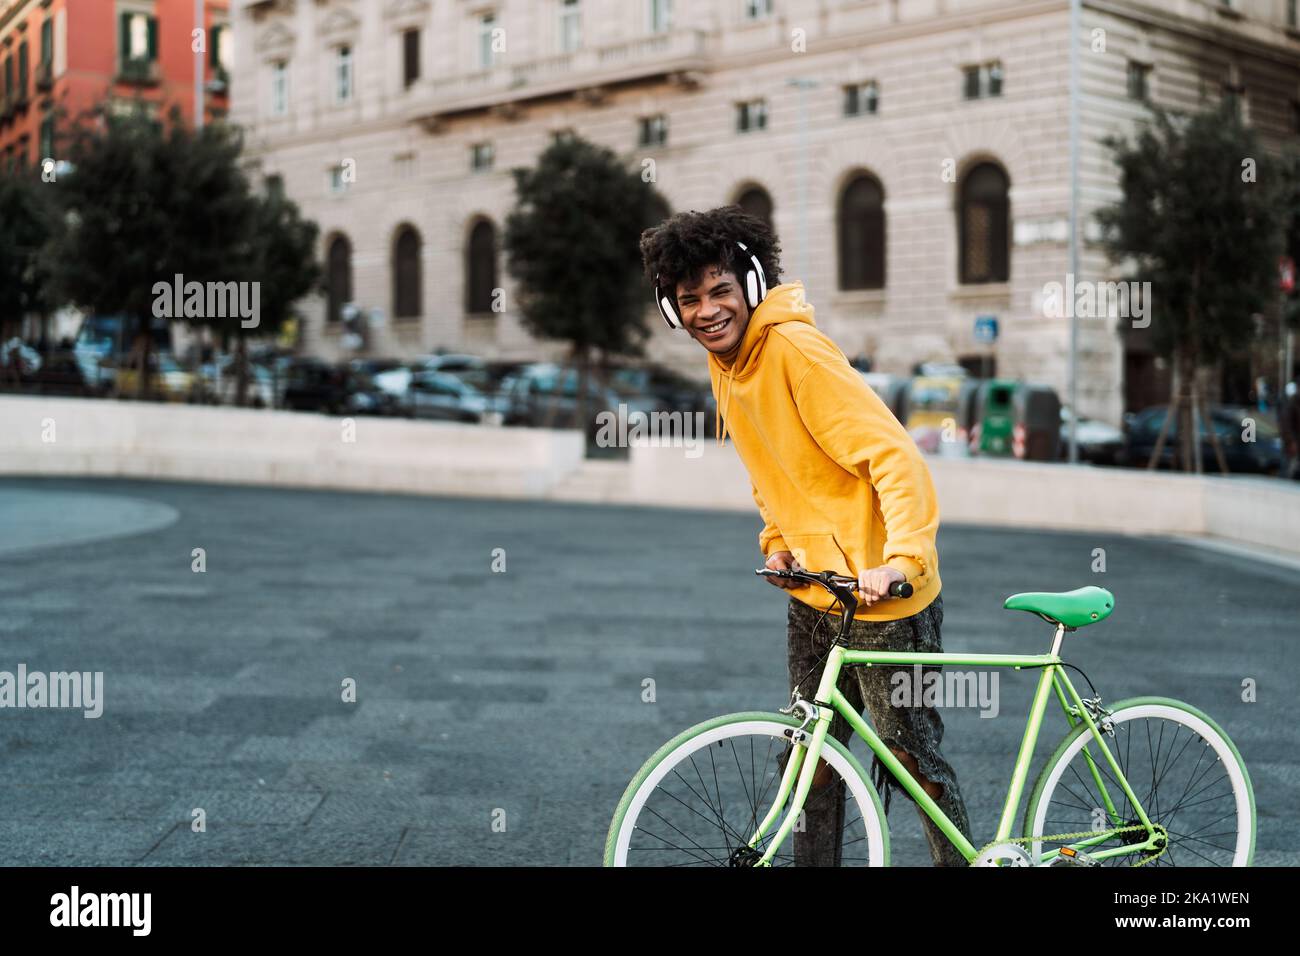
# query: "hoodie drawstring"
[[721, 410]]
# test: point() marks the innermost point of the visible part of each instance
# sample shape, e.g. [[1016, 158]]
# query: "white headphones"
[[755, 291]]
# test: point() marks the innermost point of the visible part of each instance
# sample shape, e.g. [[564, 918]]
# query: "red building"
[[60, 58]]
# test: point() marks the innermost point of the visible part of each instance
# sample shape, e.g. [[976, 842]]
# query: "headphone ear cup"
[[751, 289], [667, 311]]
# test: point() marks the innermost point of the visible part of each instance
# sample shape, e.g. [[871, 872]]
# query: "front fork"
[[805, 749]]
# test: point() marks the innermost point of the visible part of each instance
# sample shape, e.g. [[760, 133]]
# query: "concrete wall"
[[240, 446], [244, 446]]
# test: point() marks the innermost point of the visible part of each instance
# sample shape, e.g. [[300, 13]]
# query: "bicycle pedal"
[[1073, 857]]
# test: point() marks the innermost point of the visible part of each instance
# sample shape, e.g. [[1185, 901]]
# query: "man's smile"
[[714, 330]]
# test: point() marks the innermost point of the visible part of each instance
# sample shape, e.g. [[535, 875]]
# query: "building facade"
[[62, 58], [911, 154]]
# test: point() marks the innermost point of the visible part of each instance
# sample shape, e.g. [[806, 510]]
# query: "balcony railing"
[[140, 71], [44, 76], [642, 58]]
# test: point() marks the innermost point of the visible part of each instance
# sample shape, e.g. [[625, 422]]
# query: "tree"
[[1199, 219], [147, 201], [281, 259], [26, 213], [571, 244]]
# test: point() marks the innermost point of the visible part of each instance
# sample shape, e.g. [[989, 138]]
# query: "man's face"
[[714, 310]]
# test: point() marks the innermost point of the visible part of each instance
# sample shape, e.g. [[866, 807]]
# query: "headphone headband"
[[754, 282]]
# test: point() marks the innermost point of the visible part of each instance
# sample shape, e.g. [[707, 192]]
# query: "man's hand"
[[783, 561], [874, 584]]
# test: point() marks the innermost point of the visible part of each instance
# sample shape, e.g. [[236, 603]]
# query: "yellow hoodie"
[[837, 480]]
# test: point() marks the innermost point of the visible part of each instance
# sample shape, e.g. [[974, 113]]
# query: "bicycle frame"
[[804, 758]]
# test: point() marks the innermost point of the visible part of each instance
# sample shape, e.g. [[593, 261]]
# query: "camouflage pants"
[[917, 730]]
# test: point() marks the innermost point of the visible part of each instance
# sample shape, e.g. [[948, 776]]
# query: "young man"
[[839, 483]]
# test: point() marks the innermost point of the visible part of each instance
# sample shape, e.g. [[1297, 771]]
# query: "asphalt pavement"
[[499, 652]]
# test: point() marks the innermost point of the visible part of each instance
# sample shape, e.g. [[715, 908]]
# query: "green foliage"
[[572, 245], [146, 201], [1204, 235], [26, 214]]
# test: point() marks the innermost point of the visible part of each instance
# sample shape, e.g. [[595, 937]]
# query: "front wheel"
[[700, 797], [1181, 766]]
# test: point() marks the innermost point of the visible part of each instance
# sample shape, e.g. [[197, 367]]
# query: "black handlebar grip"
[[900, 589]]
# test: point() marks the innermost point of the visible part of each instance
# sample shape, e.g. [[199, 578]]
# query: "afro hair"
[[681, 247]]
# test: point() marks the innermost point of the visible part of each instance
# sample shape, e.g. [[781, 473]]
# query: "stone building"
[[912, 154]]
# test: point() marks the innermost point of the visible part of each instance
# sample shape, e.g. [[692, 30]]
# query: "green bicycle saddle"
[[1071, 608]]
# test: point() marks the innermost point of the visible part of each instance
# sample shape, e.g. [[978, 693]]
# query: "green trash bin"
[[995, 416]]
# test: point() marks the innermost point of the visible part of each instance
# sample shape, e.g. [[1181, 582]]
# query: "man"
[[839, 483]]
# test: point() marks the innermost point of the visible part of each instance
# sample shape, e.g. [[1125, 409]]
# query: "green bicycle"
[[1168, 789]]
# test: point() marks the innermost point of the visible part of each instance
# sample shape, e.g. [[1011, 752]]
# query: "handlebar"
[[841, 586], [832, 581]]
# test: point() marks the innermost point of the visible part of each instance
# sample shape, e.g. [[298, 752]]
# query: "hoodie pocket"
[[818, 552]]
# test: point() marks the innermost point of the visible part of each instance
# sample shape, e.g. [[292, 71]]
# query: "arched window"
[[406, 274], [481, 267], [757, 203], [862, 234], [983, 225], [338, 277]]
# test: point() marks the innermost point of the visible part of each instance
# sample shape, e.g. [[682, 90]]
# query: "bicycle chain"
[[1059, 837]]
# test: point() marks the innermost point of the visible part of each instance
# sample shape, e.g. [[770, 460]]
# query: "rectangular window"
[[982, 80], [1292, 13], [751, 115], [343, 74], [1137, 81], [219, 50], [486, 24], [861, 98], [480, 156], [410, 57], [9, 77], [280, 88], [654, 130], [570, 25], [1235, 97], [137, 44], [757, 9], [47, 41], [22, 70], [337, 183], [46, 144], [660, 15]]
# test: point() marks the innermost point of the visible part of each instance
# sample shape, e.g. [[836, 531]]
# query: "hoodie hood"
[[783, 303]]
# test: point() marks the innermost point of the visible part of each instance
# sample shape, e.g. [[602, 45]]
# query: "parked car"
[[313, 385], [1099, 443], [444, 396], [167, 380], [656, 388], [1231, 426], [545, 395]]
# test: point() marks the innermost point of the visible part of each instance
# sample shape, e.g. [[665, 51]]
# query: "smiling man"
[[838, 482]]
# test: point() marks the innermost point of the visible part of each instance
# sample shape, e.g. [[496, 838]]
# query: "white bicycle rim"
[[1240, 790], [853, 781]]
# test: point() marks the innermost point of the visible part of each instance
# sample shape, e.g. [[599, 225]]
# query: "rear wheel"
[[1182, 767], [700, 797]]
